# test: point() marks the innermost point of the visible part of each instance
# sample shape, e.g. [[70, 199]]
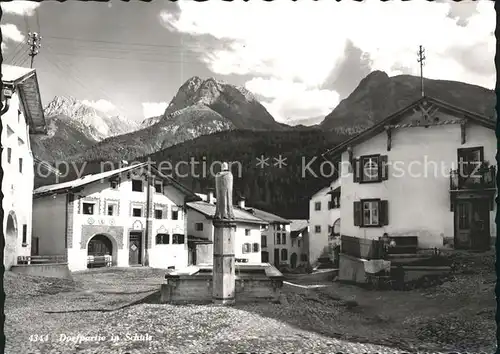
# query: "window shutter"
[[357, 214], [384, 212], [356, 170], [384, 168]]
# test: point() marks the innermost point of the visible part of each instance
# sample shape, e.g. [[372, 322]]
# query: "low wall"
[[351, 269], [317, 276], [55, 270], [198, 289]]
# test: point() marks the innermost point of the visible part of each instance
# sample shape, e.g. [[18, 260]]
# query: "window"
[[178, 239], [370, 169], [162, 239], [317, 229], [111, 209], [299, 243], [88, 208], [330, 229], [137, 212], [278, 238], [246, 248], [256, 247], [284, 254], [303, 257], [114, 184], [137, 185], [371, 213], [293, 242], [25, 235], [199, 226], [263, 240], [175, 215], [158, 214], [317, 206], [283, 238], [469, 161], [20, 165], [247, 232], [159, 187], [9, 155], [265, 256]]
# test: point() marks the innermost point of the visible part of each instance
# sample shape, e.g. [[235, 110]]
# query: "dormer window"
[[137, 185], [114, 184], [159, 187]]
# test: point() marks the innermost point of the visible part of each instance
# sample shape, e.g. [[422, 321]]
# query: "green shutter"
[[356, 175]]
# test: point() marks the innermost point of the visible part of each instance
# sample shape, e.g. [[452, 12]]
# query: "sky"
[[299, 58]]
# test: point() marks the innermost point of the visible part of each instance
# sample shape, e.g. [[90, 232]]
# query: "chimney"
[[210, 196], [241, 203]]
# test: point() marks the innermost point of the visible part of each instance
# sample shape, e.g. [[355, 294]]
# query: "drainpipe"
[[148, 220]]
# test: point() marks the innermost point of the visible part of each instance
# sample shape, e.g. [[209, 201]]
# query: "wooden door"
[[480, 225], [463, 221], [134, 246]]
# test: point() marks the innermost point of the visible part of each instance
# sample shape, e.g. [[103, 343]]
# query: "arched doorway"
[[293, 260], [10, 253], [336, 227], [99, 251]]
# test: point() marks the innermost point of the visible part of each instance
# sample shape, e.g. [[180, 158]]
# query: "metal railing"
[[42, 259], [482, 178]]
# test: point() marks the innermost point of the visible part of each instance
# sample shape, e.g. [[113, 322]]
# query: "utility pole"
[[34, 40], [421, 58]]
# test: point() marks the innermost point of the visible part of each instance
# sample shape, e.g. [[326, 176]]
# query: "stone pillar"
[[223, 282], [223, 278]]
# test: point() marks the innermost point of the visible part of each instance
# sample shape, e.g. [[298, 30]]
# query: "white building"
[[275, 238], [201, 232], [324, 220], [132, 216], [396, 177], [22, 115]]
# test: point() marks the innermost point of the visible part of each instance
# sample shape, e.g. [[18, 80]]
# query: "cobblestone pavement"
[[48, 316], [150, 328]]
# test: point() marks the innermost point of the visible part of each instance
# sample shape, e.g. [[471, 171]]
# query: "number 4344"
[[39, 338]]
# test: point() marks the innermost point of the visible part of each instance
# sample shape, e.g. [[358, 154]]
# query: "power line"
[[15, 52], [128, 43], [132, 59]]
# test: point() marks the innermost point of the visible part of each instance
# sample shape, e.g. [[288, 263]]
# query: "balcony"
[[483, 178]]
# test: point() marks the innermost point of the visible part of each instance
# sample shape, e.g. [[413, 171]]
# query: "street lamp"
[[7, 92]]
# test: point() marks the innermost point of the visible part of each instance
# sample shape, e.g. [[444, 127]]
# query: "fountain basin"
[[253, 282]]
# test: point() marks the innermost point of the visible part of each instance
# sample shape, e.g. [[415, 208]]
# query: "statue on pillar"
[[224, 193]]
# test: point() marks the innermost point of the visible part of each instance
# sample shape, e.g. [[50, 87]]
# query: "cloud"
[[101, 105], [10, 32], [20, 8], [289, 100], [304, 42], [153, 109]]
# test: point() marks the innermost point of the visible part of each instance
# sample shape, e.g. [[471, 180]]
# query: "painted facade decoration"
[[126, 217]]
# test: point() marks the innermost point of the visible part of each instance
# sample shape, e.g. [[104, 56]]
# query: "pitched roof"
[[25, 82], [298, 226], [395, 117], [264, 215], [240, 215], [91, 178]]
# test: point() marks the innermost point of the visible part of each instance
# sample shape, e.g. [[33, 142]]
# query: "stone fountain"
[[223, 282]]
